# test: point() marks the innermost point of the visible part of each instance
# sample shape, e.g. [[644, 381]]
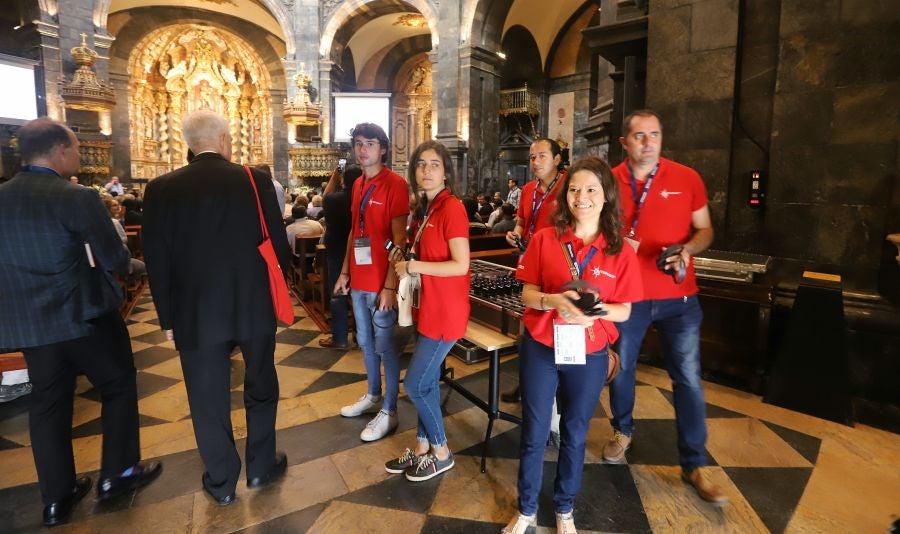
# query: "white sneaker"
[[383, 424], [366, 404]]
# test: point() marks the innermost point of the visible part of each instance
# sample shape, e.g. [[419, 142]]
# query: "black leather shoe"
[[221, 501], [276, 472], [57, 513], [115, 486], [511, 395]]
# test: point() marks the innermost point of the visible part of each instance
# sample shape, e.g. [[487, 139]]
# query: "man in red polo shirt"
[[538, 198], [663, 204], [379, 206], [537, 203]]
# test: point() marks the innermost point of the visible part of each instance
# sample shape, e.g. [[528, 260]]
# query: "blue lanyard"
[[39, 168], [580, 267], [362, 208], [640, 203], [536, 206]]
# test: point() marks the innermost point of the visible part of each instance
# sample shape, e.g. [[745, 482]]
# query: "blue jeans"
[[423, 387], [577, 390], [677, 322], [339, 326], [375, 336]]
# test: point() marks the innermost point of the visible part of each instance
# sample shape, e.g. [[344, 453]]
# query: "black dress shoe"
[[276, 472], [115, 486], [57, 513], [221, 501], [511, 395]]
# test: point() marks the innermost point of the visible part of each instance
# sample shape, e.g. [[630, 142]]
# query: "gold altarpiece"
[[180, 69], [412, 114]]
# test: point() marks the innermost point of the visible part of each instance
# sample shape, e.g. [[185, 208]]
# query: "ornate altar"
[[180, 69], [301, 113]]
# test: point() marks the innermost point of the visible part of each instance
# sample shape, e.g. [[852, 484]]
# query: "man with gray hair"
[[211, 291], [59, 305]]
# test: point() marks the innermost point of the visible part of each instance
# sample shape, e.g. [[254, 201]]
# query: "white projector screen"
[[19, 103], [351, 109]]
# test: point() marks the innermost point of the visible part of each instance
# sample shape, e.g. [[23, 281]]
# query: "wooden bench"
[[492, 341], [134, 233]]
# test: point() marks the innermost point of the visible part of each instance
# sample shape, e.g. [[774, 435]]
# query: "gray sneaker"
[[429, 466], [401, 464], [13, 392]]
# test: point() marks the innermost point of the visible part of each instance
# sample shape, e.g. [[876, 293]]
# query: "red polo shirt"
[[389, 199], [444, 301], [531, 196], [544, 265], [665, 219]]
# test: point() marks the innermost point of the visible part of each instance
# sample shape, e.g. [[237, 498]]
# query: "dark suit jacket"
[[48, 291], [200, 233]]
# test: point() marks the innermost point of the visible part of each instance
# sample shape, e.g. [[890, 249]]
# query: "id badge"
[[362, 251], [635, 244], [568, 344]]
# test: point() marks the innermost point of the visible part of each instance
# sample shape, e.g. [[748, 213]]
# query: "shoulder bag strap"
[[262, 220]]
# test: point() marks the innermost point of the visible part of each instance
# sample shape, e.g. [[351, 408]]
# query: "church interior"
[[788, 109]]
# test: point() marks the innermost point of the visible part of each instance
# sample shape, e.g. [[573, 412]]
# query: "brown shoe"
[[511, 395], [614, 450], [328, 343], [707, 491]]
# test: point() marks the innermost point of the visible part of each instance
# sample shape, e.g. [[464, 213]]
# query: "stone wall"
[[816, 112], [690, 83], [834, 136]]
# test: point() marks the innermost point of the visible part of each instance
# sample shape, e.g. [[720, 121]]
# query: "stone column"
[[325, 66], [479, 107]]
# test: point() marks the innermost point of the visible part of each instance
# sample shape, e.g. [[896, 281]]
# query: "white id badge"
[[633, 242], [568, 344], [362, 251]]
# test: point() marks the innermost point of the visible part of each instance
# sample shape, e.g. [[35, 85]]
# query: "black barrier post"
[[810, 372]]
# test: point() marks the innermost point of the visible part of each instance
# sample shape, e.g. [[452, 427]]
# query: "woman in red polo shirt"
[[441, 251], [562, 347]]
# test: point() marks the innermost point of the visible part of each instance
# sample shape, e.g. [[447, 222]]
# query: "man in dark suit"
[[59, 305], [211, 290]]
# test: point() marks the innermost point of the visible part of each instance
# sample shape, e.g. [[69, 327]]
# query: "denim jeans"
[[375, 336], [677, 322], [422, 385], [339, 326], [577, 390]]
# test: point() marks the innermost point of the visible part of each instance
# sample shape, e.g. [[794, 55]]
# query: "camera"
[[679, 270], [391, 247], [588, 298]]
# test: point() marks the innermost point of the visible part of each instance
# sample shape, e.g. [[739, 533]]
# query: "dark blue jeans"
[[422, 384], [339, 325], [677, 322], [577, 390]]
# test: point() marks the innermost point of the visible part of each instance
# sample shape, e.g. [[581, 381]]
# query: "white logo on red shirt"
[[373, 201], [429, 225], [596, 272], [665, 194]]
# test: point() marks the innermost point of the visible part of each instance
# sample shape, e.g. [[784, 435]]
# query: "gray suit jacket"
[[48, 291]]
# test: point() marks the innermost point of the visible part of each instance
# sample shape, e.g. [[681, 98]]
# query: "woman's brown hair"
[[610, 215], [449, 173]]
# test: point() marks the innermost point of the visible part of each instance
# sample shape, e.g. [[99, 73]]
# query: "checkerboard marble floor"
[[783, 471]]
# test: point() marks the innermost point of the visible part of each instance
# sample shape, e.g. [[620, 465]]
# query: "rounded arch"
[[275, 7], [400, 53], [523, 59], [483, 22], [351, 8]]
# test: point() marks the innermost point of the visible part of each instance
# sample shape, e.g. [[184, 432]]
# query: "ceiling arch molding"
[[485, 24], [394, 60], [275, 7], [335, 36]]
